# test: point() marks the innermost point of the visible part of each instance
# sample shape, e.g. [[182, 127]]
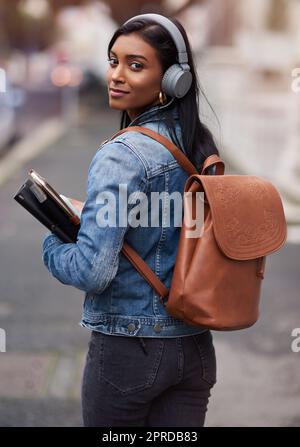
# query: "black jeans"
[[150, 382]]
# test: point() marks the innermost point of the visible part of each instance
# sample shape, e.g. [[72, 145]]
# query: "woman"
[[143, 367]]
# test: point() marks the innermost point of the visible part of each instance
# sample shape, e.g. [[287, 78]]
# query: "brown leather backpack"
[[217, 276]]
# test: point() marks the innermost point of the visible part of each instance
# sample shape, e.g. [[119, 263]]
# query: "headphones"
[[177, 80]]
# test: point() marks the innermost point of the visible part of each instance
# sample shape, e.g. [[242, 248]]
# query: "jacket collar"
[[154, 113]]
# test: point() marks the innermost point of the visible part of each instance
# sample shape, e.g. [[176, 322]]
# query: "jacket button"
[[157, 327], [131, 327]]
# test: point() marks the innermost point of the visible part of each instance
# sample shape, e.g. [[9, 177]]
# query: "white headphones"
[[177, 80]]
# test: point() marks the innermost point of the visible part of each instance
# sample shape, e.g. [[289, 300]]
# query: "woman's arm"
[[91, 263]]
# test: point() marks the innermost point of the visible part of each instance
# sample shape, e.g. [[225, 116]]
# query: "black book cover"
[[47, 211]]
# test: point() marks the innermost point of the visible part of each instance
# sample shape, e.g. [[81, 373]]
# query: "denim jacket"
[[118, 300]]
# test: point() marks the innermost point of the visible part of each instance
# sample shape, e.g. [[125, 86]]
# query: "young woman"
[[143, 367]]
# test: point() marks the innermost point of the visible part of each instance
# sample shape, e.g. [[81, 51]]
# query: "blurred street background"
[[54, 114]]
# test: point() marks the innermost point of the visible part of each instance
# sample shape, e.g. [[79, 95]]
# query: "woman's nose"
[[117, 74]]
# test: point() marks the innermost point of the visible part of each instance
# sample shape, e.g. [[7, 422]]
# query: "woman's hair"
[[197, 139]]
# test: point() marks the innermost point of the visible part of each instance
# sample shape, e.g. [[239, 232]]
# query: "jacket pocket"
[[126, 366], [207, 355]]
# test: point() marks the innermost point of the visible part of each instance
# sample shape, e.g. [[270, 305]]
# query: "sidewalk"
[[41, 371]]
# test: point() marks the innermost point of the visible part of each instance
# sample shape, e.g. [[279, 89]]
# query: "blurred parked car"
[[7, 116], [7, 121], [10, 101]]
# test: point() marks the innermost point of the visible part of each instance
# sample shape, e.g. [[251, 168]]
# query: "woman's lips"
[[116, 94]]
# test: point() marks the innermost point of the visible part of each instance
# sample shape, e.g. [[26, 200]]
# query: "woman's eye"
[[111, 61], [137, 63]]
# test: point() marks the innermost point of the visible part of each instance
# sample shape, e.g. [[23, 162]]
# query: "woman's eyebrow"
[[131, 55]]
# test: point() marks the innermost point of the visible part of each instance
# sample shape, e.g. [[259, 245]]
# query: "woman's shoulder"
[[151, 151], [117, 150]]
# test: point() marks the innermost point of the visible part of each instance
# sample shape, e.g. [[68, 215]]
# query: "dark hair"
[[197, 139]]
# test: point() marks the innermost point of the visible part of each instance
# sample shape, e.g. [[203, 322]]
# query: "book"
[[55, 211]]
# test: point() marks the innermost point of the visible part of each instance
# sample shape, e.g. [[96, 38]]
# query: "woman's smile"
[[115, 93]]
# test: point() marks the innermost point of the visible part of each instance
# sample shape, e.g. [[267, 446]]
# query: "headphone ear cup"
[[176, 82]]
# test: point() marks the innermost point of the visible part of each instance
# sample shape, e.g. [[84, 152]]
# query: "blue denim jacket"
[[118, 300]]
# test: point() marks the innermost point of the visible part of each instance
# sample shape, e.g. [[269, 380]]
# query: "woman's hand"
[[77, 204]]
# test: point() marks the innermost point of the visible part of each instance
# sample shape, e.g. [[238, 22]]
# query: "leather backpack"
[[218, 275]]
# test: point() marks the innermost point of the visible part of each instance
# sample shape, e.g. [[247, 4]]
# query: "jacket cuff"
[[50, 239]]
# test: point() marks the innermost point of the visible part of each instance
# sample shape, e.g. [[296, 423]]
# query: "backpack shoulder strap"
[[142, 267]]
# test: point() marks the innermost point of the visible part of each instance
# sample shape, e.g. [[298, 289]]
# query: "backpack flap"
[[247, 214]]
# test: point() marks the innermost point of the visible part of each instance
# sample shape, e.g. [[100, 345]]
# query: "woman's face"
[[135, 69]]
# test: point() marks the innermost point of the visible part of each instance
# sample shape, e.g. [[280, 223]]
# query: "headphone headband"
[[177, 80], [173, 30]]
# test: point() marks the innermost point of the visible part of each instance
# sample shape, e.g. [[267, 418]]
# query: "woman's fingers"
[[77, 204]]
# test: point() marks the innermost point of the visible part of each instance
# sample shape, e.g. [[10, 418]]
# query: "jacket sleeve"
[[92, 262]]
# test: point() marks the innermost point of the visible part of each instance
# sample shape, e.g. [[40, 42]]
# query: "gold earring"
[[162, 98]]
